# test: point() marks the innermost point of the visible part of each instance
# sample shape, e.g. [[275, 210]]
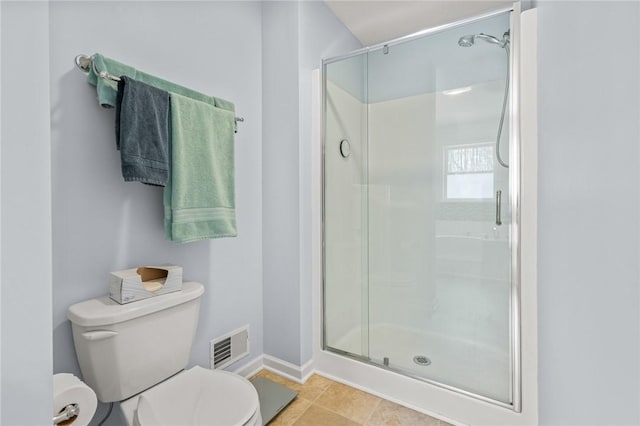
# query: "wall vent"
[[229, 348]]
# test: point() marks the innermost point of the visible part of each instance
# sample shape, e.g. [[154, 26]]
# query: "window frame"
[[445, 171]]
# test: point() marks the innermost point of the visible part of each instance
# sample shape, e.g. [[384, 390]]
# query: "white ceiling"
[[375, 21]]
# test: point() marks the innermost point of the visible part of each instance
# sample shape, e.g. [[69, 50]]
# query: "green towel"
[[108, 89], [199, 199]]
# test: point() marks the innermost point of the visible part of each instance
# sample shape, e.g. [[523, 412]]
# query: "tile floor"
[[322, 401]]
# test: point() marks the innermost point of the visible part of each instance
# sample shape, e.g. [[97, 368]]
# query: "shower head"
[[466, 41], [469, 40]]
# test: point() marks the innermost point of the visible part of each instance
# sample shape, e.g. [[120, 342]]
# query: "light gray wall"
[[25, 200], [101, 223], [296, 36], [588, 238], [280, 220]]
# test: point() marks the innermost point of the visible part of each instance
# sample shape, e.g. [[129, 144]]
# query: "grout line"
[[295, 419], [373, 410], [312, 402], [447, 421], [320, 388], [341, 414], [321, 393], [337, 414]]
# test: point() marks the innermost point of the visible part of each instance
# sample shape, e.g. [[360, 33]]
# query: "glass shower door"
[[439, 276], [417, 215], [346, 314]]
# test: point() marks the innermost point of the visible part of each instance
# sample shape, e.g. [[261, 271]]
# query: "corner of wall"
[[296, 36], [280, 136]]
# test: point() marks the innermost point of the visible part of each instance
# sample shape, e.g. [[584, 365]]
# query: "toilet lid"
[[199, 397]]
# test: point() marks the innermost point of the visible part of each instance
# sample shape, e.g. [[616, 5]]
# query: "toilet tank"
[[125, 349]]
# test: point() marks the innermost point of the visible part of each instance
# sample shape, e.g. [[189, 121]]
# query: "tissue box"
[[141, 283]]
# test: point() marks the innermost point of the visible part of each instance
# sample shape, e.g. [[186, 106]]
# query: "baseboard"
[[298, 374], [307, 370], [250, 369], [295, 373]]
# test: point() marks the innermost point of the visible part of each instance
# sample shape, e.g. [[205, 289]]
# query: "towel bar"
[[84, 62]]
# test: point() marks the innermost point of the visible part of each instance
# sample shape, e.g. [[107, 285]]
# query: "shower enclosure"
[[420, 209]]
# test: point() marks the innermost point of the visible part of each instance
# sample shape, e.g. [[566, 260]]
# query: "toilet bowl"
[[137, 354], [196, 397]]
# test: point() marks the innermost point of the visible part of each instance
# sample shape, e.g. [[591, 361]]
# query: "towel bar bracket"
[[83, 62]]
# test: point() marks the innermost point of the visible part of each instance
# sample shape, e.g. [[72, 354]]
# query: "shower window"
[[469, 172]]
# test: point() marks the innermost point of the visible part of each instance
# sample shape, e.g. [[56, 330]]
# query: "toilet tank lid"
[[105, 311]]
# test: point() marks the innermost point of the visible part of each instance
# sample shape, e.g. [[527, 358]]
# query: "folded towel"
[[142, 132], [107, 89], [199, 198]]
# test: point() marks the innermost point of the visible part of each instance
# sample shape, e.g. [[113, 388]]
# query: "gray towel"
[[142, 132]]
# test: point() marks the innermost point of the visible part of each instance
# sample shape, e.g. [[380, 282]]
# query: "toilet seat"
[[196, 397]]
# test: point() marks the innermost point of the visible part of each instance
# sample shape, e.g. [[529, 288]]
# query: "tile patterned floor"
[[322, 401]]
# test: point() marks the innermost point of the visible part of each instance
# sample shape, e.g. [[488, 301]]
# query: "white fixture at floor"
[[136, 354]]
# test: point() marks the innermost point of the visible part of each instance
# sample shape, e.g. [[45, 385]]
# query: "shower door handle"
[[498, 207]]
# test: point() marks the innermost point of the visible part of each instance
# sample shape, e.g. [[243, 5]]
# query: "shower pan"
[[420, 209]]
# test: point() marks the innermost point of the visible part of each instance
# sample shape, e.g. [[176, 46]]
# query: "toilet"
[[137, 353]]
